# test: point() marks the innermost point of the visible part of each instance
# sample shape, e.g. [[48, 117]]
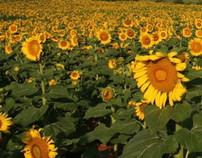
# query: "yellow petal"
[[164, 98], [157, 100], [180, 66], [139, 74], [142, 58], [148, 93], [141, 81], [175, 60], [154, 96], [144, 86], [140, 65], [171, 98], [171, 54]]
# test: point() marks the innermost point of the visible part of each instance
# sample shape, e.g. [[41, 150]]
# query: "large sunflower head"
[[195, 47], [104, 36], [32, 48], [158, 77], [5, 122], [37, 146]]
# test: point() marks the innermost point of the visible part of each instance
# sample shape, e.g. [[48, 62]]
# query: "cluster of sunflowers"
[[90, 65]]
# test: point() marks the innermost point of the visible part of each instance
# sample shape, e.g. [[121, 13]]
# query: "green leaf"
[[30, 115], [181, 111], [192, 139], [157, 118], [144, 145], [97, 111], [193, 74], [64, 126], [125, 127], [101, 133], [24, 89], [59, 92]]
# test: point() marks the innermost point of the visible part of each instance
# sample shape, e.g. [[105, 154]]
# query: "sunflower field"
[[98, 79]]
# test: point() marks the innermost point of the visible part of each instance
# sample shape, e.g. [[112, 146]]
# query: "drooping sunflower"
[[32, 48], [195, 47], [158, 77], [139, 109], [38, 146], [5, 122], [107, 94], [104, 36], [146, 40]]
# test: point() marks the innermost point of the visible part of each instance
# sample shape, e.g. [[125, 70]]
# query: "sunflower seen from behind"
[[32, 48], [158, 77], [38, 146]]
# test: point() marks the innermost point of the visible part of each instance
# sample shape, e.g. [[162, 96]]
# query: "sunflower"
[[42, 37], [184, 57], [32, 48], [198, 33], [8, 49], [127, 23], [163, 34], [104, 36], [156, 38], [62, 44], [52, 82], [198, 23], [13, 28], [107, 94], [112, 63], [122, 36], [130, 33], [146, 40], [186, 32], [158, 77], [75, 75], [5, 122], [139, 109], [71, 25], [38, 146], [195, 47]]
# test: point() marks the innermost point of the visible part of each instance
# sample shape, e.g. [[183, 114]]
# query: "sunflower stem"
[[180, 154], [144, 125], [42, 85], [0, 135], [187, 154], [113, 120]]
